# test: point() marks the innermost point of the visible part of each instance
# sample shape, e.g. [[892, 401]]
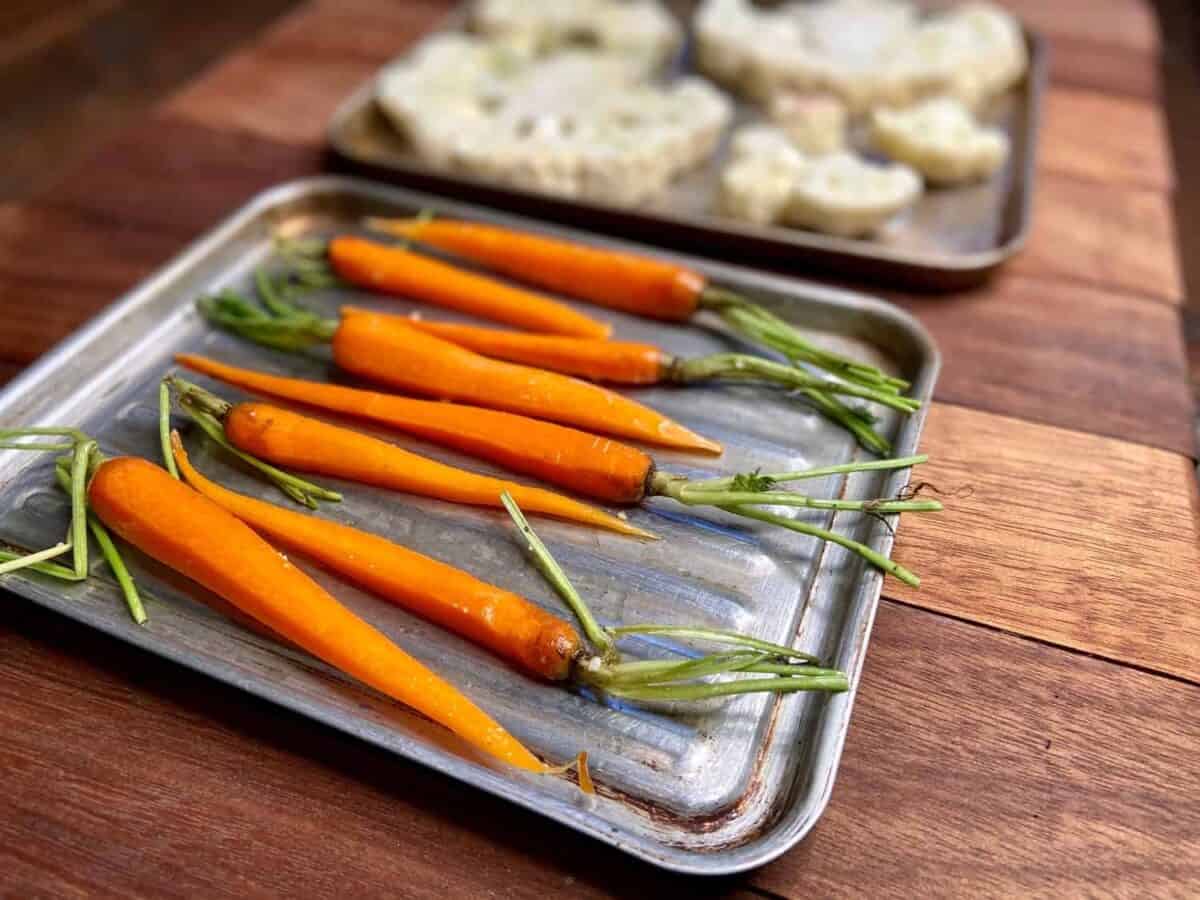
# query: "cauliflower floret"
[[940, 139]]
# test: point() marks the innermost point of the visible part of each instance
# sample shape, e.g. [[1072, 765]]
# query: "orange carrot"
[[387, 349], [300, 442], [644, 363], [621, 362], [629, 281], [637, 284], [597, 467], [394, 270], [504, 622], [186, 531]]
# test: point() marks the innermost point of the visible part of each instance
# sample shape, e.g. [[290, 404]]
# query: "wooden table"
[[1027, 721]]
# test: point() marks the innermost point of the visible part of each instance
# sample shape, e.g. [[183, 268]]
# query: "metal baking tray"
[[952, 239], [714, 789]]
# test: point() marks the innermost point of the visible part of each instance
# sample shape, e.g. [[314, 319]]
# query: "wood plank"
[[64, 95], [1095, 136], [1063, 354], [985, 765], [9, 371], [125, 775], [1080, 540], [1129, 24], [269, 90], [1120, 238]]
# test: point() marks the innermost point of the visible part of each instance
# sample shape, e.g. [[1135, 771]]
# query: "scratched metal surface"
[[708, 789], [953, 237]]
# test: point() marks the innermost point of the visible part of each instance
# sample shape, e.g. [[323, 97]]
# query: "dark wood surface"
[[1026, 722]]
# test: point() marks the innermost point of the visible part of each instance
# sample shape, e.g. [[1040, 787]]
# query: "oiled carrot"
[[387, 349], [395, 270], [594, 466], [621, 362], [500, 620], [637, 284], [186, 531], [301, 442]]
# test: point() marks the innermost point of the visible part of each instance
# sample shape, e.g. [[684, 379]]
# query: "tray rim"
[[792, 822], [958, 269]]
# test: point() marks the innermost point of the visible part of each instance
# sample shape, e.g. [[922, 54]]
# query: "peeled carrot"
[[595, 466], [627, 281], [295, 441], [191, 534], [621, 362], [387, 349], [631, 363], [394, 270], [637, 284], [504, 622]]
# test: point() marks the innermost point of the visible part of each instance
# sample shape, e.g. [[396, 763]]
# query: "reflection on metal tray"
[[951, 239], [712, 789]]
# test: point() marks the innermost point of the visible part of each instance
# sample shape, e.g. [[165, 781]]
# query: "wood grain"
[[1098, 137], [980, 765], [1080, 540], [1064, 354], [1121, 238]]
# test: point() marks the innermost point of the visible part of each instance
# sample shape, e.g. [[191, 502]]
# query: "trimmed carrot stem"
[[193, 535]]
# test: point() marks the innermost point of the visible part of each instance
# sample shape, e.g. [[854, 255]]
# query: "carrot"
[[621, 362], [594, 466], [394, 270], [504, 622], [386, 349], [631, 363], [627, 281], [296, 441], [191, 534], [636, 284]]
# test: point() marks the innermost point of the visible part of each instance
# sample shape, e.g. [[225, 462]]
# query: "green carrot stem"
[[80, 464], [757, 323], [295, 331], [658, 671], [108, 550], [117, 565], [715, 636], [682, 492], [74, 434], [164, 428], [708, 690], [771, 479], [23, 445], [14, 562], [862, 429], [553, 573], [876, 559], [739, 366]]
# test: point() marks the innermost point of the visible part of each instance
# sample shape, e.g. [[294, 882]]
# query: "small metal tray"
[[713, 789], [952, 239]]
